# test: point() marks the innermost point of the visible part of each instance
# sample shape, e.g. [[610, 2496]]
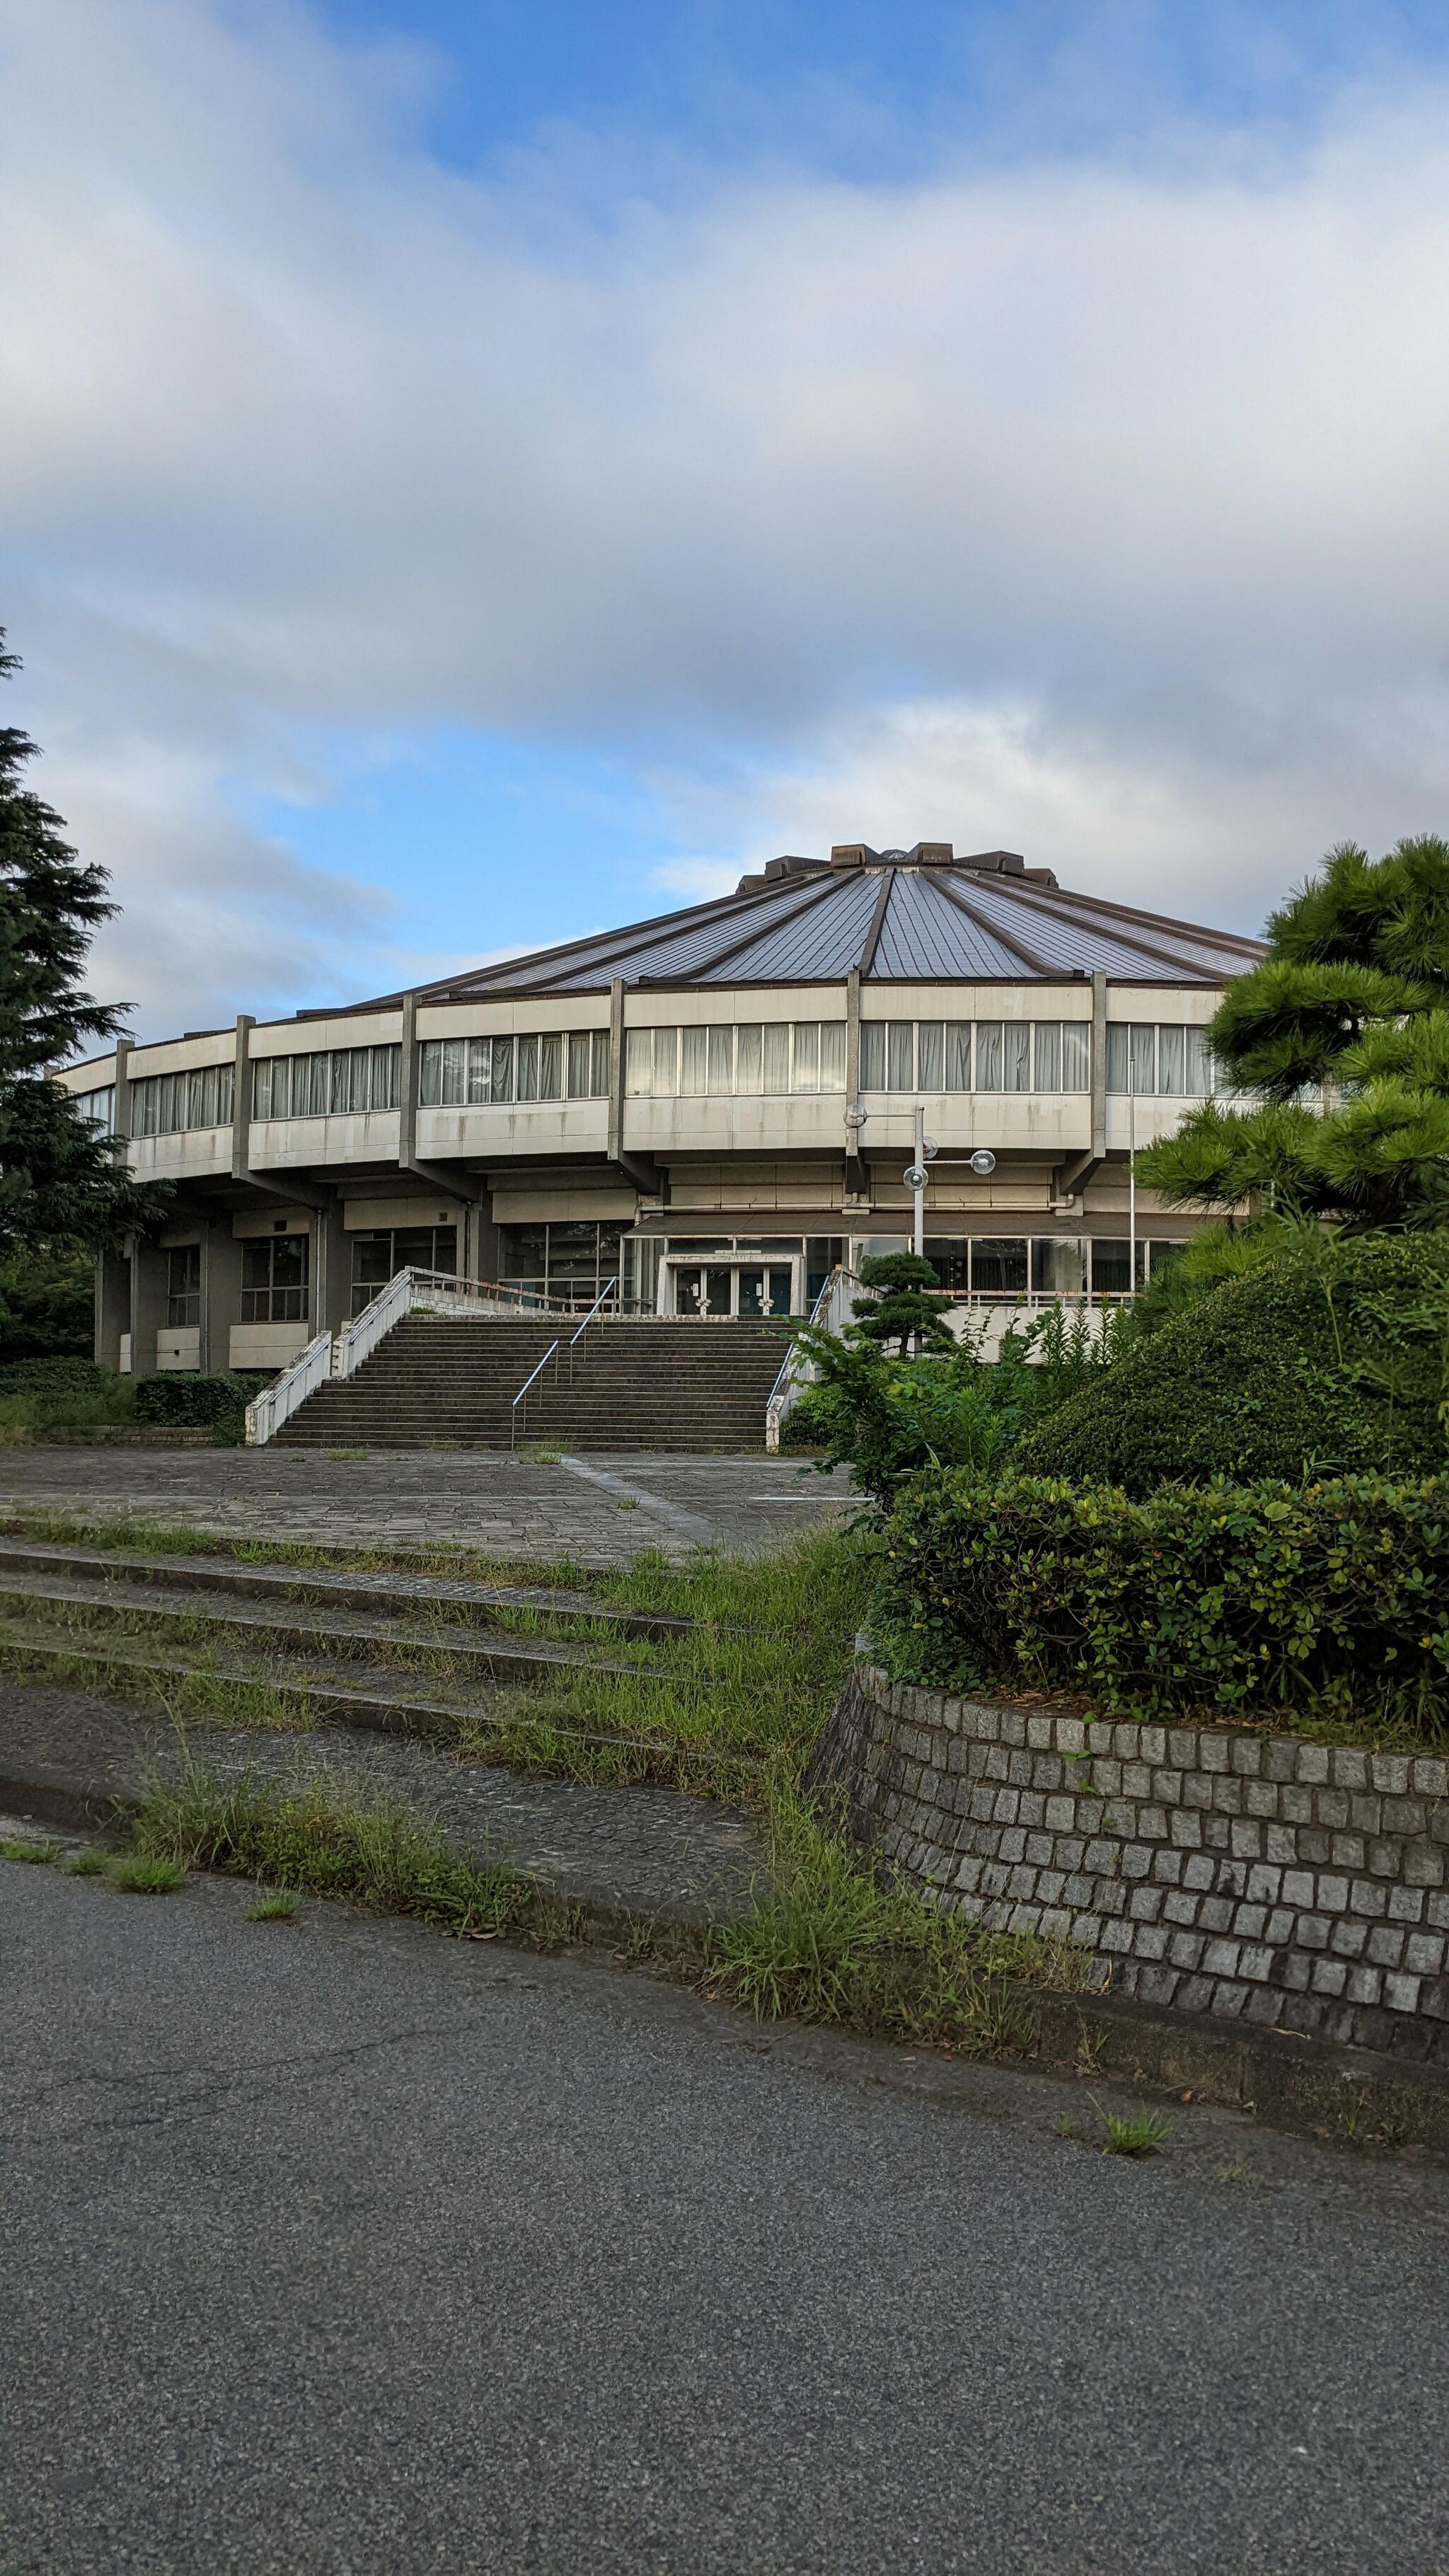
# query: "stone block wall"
[[1210, 1869]]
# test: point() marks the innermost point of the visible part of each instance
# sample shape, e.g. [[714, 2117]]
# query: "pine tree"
[[911, 1310], [63, 1184], [1343, 1034]]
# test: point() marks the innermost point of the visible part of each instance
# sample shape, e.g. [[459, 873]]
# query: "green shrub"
[[51, 1377], [179, 1397], [1239, 1597], [883, 1418], [1333, 1360]]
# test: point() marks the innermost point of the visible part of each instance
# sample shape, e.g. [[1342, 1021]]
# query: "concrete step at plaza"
[[645, 1383], [90, 1606], [341, 1587]]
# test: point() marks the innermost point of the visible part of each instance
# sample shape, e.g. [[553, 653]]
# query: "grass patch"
[[279, 1907], [313, 1839], [1124, 2133], [40, 1855], [833, 1945], [145, 1873], [90, 1863]]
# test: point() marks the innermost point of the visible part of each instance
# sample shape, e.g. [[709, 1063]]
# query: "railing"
[[268, 1411], [551, 1353], [522, 1396], [432, 1292], [830, 1314]]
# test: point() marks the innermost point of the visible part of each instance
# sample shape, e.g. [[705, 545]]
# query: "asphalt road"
[[342, 2247]]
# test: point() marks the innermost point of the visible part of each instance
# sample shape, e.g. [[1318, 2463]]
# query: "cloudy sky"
[[474, 470]]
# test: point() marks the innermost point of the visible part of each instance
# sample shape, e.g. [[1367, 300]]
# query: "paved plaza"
[[593, 1511]]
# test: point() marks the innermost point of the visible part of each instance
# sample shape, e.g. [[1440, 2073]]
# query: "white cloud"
[[1093, 510]]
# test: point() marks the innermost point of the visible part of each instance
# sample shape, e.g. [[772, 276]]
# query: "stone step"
[[497, 1656], [338, 1585], [374, 1700]]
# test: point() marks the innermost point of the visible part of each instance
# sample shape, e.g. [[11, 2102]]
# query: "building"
[[713, 1108]]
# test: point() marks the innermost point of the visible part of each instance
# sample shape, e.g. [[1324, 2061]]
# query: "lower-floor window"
[[573, 1258], [183, 1285], [380, 1254], [1041, 1265], [275, 1274]]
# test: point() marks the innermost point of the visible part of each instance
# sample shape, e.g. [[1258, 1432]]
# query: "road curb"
[[1301, 2086]]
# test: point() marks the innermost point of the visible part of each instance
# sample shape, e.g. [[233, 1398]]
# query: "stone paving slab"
[[595, 1513], [642, 1850]]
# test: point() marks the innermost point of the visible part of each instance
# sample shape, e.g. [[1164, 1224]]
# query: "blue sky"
[[484, 471]]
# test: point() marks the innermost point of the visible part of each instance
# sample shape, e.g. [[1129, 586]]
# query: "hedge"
[[179, 1396], [1245, 1598], [1323, 1363], [55, 1376]]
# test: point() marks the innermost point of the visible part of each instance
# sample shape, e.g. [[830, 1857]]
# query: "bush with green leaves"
[[883, 1418], [909, 1308], [1249, 1598], [1332, 1359], [181, 1398]]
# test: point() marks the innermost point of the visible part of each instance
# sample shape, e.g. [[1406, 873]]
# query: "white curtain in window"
[[638, 1065], [931, 1054], [900, 1055], [832, 1055], [1143, 1053], [872, 1055], [989, 1055], [1171, 1061], [805, 1075], [1047, 1055], [1076, 1055], [721, 1063], [1197, 1075], [777, 1055], [958, 1055], [748, 1056], [693, 1054]]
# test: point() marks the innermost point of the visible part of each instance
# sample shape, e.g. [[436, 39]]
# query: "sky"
[[474, 472]]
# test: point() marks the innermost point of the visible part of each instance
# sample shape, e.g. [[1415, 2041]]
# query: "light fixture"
[[856, 1116], [983, 1164], [915, 1176]]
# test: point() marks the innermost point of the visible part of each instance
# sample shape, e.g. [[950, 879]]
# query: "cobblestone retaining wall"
[[1298, 1886]]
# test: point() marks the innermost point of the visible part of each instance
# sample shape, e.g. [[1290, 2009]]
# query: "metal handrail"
[[604, 1295], [796, 1372], [278, 1402], [549, 1354]]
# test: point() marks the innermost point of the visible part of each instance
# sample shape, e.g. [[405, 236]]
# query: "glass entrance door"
[[764, 1291], [703, 1291]]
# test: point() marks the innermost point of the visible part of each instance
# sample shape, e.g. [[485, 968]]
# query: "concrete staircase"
[[649, 1383]]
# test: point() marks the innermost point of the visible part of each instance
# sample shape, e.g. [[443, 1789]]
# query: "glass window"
[[693, 1063], [550, 1064], [1058, 1266], [638, 1066], [274, 1279], [183, 1285], [98, 1108], [1111, 1259], [900, 1067], [822, 1253], [1143, 1057], [950, 1258], [989, 1057], [599, 1064], [1016, 1055], [1116, 1055], [1076, 1055], [666, 1063], [872, 1055], [958, 1055], [1047, 1055], [832, 1055], [477, 1085], [998, 1265], [807, 1056], [931, 1054], [1197, 1077], [1171, 1061], [748, 1052], [528, 1068], [721, 1063], [777, 1055], [500, 1071]]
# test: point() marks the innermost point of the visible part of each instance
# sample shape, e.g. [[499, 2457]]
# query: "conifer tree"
[[1342, 1033], [63, 1184]]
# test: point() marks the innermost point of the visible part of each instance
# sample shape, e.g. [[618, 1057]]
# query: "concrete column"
[[113, 1306], [1099, 1066], [241, 1114], [221, 1273], [331, 1295], [150, 1274], [481, 1252]]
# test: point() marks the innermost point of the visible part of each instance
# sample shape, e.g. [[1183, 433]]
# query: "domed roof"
[[898, 916]]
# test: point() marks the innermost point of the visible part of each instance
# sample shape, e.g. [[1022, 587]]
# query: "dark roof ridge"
[[1052, 898]]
